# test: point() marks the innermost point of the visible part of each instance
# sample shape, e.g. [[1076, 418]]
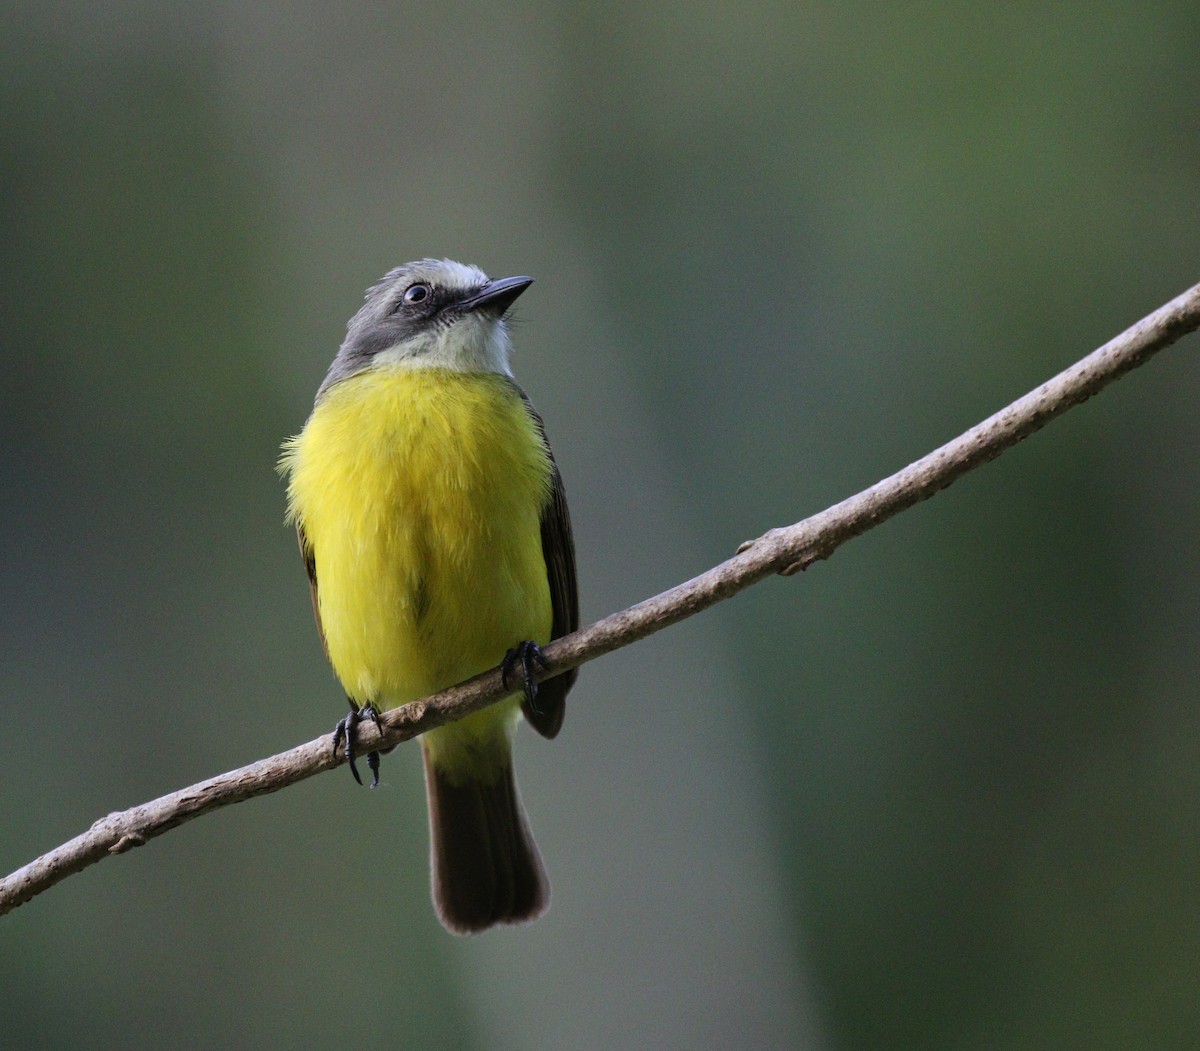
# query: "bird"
[[434, 528]]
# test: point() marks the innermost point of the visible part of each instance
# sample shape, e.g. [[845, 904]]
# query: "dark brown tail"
[[486, 867]]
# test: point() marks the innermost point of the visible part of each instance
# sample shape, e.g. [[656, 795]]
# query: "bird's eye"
[[416, 294]]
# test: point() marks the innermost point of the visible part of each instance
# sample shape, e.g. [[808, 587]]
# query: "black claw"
[[528, 655], [343, 735]]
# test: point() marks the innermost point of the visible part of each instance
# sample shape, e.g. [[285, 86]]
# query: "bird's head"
[[433, 313]]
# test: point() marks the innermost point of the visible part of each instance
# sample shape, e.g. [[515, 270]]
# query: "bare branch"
[[786, 550]]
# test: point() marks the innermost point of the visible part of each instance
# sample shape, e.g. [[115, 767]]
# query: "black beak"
[[497, 296]]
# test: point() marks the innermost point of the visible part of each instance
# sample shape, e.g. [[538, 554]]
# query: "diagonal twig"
[[785, 550]]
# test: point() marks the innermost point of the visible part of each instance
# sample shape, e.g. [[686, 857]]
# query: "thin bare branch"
[[784, 550]]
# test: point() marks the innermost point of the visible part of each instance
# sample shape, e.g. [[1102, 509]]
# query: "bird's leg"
[[343, 734], [529, 656]]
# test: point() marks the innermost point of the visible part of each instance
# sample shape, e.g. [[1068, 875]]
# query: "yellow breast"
[[420, 492]]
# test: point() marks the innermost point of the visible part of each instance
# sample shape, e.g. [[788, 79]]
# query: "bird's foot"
[[343, 734], [528, 656]]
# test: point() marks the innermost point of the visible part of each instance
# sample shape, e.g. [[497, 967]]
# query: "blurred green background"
[[939, 792]]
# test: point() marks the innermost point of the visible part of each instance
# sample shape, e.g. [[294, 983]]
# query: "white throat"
[[472, 343]]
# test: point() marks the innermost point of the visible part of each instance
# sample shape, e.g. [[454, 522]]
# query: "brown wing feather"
[[310, 567], [558, 549]]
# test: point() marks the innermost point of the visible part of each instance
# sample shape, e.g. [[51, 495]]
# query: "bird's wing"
[[558, 549], [310, 567]]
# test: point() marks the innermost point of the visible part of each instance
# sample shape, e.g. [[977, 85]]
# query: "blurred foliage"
[[940, 791]]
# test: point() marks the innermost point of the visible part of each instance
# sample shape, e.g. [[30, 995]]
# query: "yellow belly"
[[420, 492]]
